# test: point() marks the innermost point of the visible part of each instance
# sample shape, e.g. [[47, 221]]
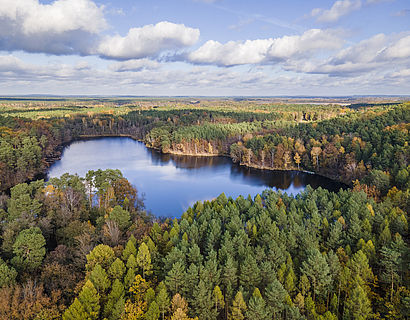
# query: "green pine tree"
[[29, 249], [174, 278], [257, 307], [117, 269], [144, 260], [358, 304], [153, 312], [132, 262], [163, 301], [75, 312], [317, 270], [100, 280], [87, 306], [116, 294], [203, 301], [129, 250], [7, 274], [275, 297], [129, 277]]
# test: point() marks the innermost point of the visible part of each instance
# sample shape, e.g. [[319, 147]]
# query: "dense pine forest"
[[85, 248]]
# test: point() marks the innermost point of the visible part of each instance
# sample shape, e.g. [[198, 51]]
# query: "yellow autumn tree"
[[297, 159]]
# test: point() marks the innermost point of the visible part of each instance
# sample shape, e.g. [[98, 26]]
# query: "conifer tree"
[[117, 269], [317, 270], [114, 300], [175, 276], [129, 250], [385, 236], [310, 307], [238, 308], [249, 273], [257, 307], [90, 299], [87, 306], [229, 277], [75, 312], [203, 301], [153, 312], [304, 284], [99, 278], [275, 297], [163, 301], [218, 299], [7, 274], [149, 296], [129, 277], [144, 260], [360, 269], [132, 262], [390, 262], [118, 309], [121, 217], [29, 249], [358, 304]]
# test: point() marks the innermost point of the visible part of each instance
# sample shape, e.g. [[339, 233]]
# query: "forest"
[[84, 247]]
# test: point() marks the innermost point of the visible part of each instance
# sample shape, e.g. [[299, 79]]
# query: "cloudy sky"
[[205, 47]]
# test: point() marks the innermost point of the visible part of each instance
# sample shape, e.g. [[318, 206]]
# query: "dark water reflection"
[[171, 183]]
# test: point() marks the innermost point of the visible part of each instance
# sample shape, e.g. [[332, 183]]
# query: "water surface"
[[172, 183]]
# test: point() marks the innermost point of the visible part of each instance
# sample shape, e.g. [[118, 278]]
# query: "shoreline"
[[52, 159]]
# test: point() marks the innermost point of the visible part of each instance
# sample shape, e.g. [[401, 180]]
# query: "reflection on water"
[[171, 183]]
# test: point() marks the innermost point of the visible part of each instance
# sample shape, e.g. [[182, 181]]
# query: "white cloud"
[[339, 9], [400, 49], [75, 26], [11, 64], [265, 50], [231, 53], [62, 27], [146, 41], [20, 77], [91, 80], [311, 40], [401, 73], [380, 53], [134, 65], [365, 51]]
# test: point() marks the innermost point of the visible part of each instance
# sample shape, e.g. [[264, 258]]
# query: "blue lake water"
[[172, 183]]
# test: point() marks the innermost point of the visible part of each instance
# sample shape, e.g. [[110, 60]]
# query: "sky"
[[205, 47]]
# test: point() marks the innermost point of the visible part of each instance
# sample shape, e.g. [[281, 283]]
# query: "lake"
[[172, 183]]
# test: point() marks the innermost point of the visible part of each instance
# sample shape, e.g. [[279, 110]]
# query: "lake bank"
[[171, 182]]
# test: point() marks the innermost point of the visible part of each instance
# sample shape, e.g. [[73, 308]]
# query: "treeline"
[[204, 139], [28, 146], [369, 145], [83, 248], [24, 148]]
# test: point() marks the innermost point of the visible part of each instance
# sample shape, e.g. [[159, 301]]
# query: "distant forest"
[[85, 248]]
